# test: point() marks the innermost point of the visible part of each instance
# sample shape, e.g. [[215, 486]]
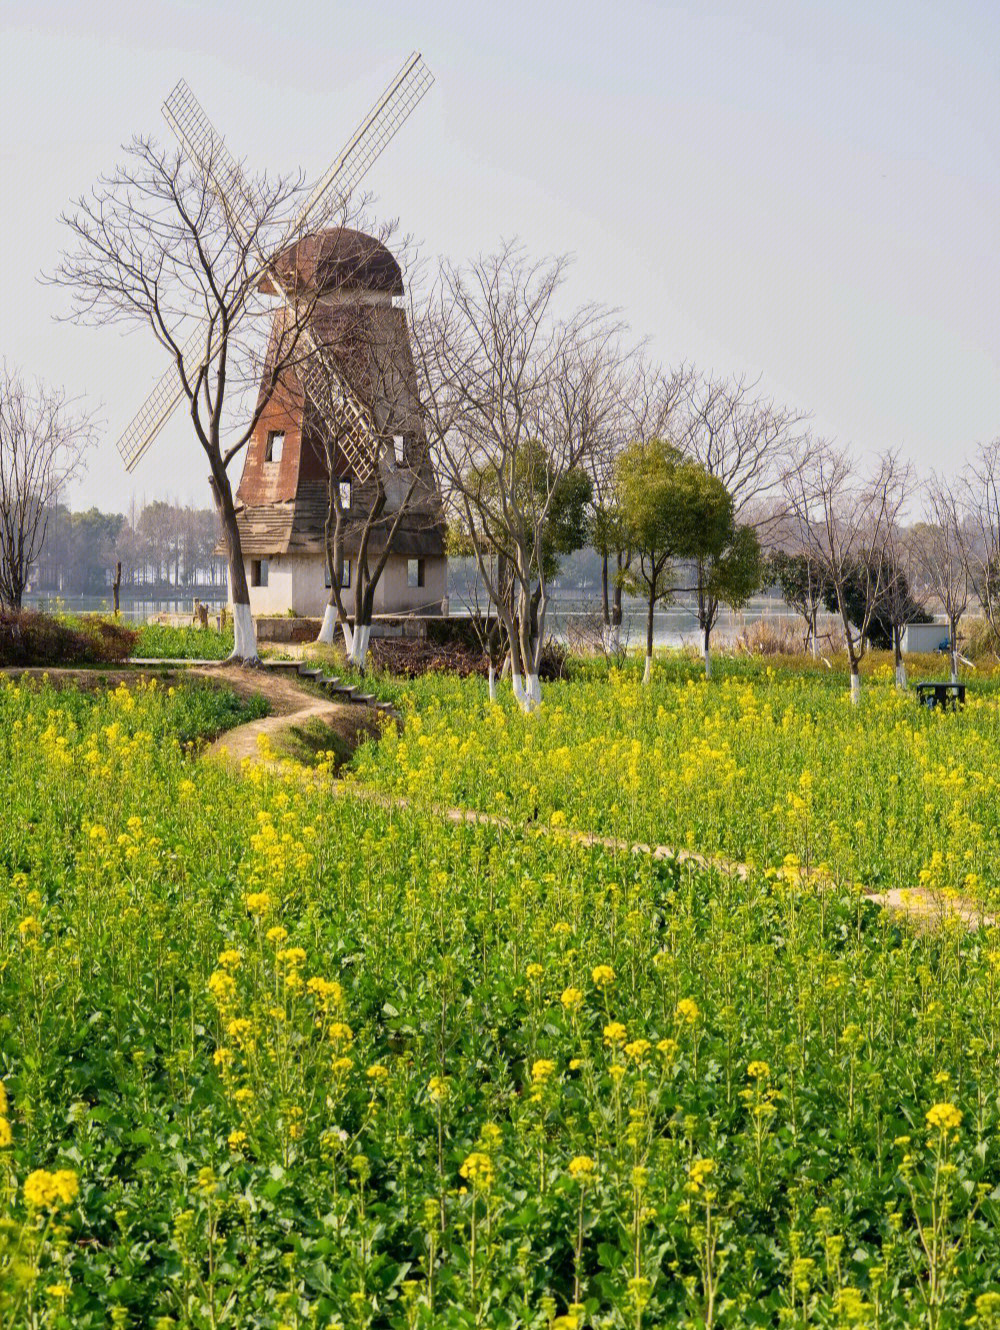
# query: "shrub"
[[28, 637]]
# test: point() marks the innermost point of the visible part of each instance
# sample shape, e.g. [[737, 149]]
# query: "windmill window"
[[345, 575], [414, 572], [258, 572], [274, 446], [345, 494], [399, 448]]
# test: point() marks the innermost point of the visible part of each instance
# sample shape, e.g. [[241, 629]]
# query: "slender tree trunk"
[[647, 672], [245, 635], [116, 585], [605, 607], [897, 648], [953, 643], [707, 650]]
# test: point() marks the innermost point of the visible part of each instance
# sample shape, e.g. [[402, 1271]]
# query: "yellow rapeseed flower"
[[437, 1089], [615, 1033], [572, 999], [687, 1011], [478, 1169], [944, 1117], [48, 1191], [582, 1168], [602, 975]]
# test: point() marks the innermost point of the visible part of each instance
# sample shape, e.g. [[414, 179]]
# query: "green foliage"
[[673, 509], [881, 592], [159, 641], [734, 573]]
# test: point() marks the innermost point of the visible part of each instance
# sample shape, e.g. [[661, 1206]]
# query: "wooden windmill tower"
[[278, 491]]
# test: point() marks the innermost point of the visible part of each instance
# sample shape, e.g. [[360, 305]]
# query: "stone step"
[[306, 673], [366, 699], [294, 665]]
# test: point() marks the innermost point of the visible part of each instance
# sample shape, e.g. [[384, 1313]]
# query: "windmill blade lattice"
[[367, 142], [159, 406]]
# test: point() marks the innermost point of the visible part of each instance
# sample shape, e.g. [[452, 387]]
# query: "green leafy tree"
[[725, 576], [673, 509]]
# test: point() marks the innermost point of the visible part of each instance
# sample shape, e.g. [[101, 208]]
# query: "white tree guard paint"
[[901, 675], [648, 671], [533, 690], [244, 634], [328, 625], [708, 663], [515, 683], [855, 689], [954, 667], [359, 647], [492, 684], [345, 628]]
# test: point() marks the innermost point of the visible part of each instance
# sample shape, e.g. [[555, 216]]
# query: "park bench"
[[947, 696]]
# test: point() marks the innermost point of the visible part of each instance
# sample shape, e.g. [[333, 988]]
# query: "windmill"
[[332, 394]]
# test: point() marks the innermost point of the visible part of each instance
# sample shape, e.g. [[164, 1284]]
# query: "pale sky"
[[808, 192]]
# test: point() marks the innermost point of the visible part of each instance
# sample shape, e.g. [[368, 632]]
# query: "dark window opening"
[[274, 446], [414, 572], [258, 572], [345, 575]]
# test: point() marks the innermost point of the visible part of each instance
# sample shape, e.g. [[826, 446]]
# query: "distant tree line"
[[161, 546]]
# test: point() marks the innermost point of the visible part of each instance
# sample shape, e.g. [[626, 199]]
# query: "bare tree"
[[44, 438], [979, 532], [157, 244], [939, 548], [901, 601], [511, 394], [842, 522]]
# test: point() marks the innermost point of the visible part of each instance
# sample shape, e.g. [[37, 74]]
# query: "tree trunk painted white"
[[855, 688], [348, 633], [533, 691], [954, 667], [515, 683], [492, 683], [901, 675], [244, 634], [328, 625], [707, 651], [648, 671], [359, 647]]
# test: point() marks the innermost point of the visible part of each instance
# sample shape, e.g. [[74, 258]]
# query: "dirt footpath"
[[291, 705]]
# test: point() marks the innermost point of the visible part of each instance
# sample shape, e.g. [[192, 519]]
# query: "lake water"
[[570, 618]]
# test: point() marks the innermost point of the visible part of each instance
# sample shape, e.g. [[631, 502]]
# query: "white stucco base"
[[297, 582]]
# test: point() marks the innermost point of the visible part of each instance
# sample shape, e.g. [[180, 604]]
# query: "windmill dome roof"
[[341, 259]]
